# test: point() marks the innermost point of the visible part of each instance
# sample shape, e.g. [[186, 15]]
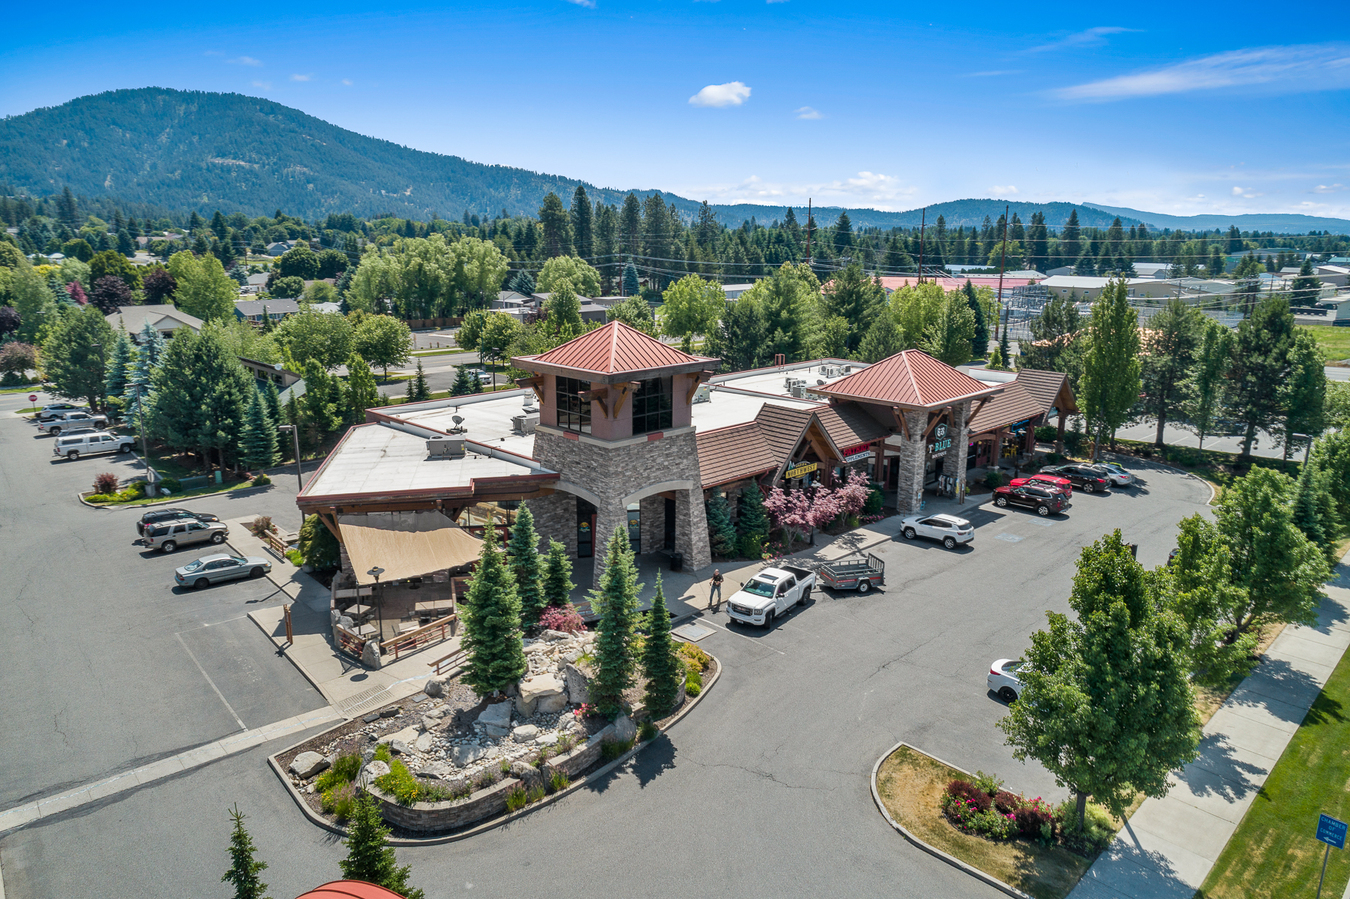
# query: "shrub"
[[339, 801], [875, 499], [647, 731], [961, 789], [566, 619], [1097, 830], [343, 770], [536, 793], [693, 683], [751, 546], [400, 783], [173, 485], [993, 479], [1007, 803], [506, 766], [105, 483], [259, 526], [293, 555], [384, 754], [261, 479], [98, 498], [438, 793], [1046, 433], [1035, 821], [517, 799], [612, 749], [968, 816], [488, 778], [558, 781], [317, 544], [988, 782], [1073, 441], [694, 656]]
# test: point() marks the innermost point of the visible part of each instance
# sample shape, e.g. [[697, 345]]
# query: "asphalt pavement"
[[762, 792]]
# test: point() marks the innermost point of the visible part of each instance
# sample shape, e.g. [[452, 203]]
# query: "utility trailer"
[[860, 573]]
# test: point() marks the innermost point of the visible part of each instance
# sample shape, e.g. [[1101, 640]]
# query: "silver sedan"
[[220, 567]]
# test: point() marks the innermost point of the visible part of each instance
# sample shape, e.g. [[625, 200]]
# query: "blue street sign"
[[1331, 831]]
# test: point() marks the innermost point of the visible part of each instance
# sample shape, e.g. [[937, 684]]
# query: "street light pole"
[[102, 375], [299, 477], [379, 600]]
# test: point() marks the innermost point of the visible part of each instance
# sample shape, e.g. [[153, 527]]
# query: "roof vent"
[[445, 447]]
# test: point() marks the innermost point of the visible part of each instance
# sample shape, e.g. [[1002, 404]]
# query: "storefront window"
[[574, 411], [652, 406]]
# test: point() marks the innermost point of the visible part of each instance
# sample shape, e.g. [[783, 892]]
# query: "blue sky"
[[1176, 108]]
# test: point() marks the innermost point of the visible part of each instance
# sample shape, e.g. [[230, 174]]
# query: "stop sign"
[[32, 397]]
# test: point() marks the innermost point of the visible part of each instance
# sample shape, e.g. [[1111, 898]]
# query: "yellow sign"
[[800, 471]]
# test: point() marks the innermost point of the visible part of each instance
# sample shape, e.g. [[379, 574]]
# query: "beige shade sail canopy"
[[405, 544]]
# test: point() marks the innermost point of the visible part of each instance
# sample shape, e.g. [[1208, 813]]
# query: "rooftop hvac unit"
[[846, 369], [445, 447], [798, 389], [703, 394], [525, 424], [830, 371]]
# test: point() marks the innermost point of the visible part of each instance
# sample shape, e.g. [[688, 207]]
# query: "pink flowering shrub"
[[1001, 816], [566, 619]]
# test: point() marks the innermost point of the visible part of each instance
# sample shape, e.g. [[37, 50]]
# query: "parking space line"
[[742, 636], [233, 714]]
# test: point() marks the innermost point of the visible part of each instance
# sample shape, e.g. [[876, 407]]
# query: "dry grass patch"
[[911, 786], [1208, 699]]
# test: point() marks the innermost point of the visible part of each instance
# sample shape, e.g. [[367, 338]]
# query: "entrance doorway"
[[635, 527], [669, 543], [585, 529]]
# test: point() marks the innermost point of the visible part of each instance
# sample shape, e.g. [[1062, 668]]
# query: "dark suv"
[[171, 515], [1083, 476], [1043, 499]]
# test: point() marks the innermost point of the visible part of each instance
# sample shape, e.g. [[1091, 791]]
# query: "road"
[[762, 792]]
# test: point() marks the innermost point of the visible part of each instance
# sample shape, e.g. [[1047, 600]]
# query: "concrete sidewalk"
[[1169, 845]]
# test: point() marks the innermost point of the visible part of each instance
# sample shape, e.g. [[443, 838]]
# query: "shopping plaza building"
[[616, 429]]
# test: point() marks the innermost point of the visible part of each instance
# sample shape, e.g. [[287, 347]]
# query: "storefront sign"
[[941, 439], [800, 471], [854, 453]]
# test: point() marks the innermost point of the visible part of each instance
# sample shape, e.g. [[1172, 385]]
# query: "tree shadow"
[[654, 760], [1217, 772], [1277, 681], [1150, 872]]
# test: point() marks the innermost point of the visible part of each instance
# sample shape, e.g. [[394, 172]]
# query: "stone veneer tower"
[[614, 422]]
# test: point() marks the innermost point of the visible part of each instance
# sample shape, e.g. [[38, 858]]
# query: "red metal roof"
[[614, 348], [910, 379], [955, 282], [350, 889]]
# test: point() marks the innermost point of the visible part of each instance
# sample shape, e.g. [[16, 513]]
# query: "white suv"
[[92, 443]]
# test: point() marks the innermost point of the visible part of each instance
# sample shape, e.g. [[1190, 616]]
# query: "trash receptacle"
[[677, 561]]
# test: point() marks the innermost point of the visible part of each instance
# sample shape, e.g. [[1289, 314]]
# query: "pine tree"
[[1005, 350], [417, 387], [617, 603], [526, 566], [368, 857], [1315, 509], [244, 869], [268, 326], [123, 357], [557, 576], [464, 385], [258, 442], [272, 400], [491, 612], [631, 286], [522, 283], [979, 344], [721, 531], [362, 393], [659, 662], [752, 519]]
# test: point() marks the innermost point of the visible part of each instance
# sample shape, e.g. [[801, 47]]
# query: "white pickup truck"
[[769, 594]]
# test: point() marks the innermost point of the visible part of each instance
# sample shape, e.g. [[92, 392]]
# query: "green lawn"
[[1274, 852], [1334, 342]]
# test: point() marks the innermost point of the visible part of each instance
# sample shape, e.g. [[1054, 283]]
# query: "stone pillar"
[[1059, 433], [691, 529], [653, 523], [555, 518], [607, 517], [954, 465], [913, 456]]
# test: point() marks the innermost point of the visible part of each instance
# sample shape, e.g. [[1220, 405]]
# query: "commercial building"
[[617, 430]]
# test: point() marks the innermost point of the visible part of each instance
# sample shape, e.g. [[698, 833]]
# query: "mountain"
[[207, 151], [1277, 222]]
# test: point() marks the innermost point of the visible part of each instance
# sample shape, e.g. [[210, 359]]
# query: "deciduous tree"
[[73, 355], [1305, 393], [382, 340], [949, 337], [324, 337], [202, 287], [691, 306], [580, 275], [110, 293], [1110, 384], [361, 393], [1260, 368], [1169, 348], [856, 298], [1207, 382]]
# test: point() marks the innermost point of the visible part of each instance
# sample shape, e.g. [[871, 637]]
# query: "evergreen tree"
[[322, 402], [495, 655], [979, 344], [583, 224], [258, 443], [1306, 286], [616, 601], [557, 577], [1110, 384], [522, 283], [123, 358], [464, 385], [1305, 392], [528, 569], [659, 662], [417, 387], [361, 393], [244, 869], [368, 857], [272, 400], [721, 531], [1174, 334], [1314, 510], [882, 340], [1005, 350], [752, 519], [631, 286]]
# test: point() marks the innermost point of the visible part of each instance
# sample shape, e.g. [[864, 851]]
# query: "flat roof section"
[[487, 417]]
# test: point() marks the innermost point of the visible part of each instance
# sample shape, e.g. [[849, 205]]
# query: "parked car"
[[769, 594], [159, 515], [946, 529], [1043, 499], [1003, 679], [49, 411], [220, 567], [1046, 480], [1116, 473], [91, 443], [1081, 476], [167, 536], [860, 573], [63, 422]]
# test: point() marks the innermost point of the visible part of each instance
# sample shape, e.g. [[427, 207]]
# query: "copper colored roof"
[[614, 348], [911, 379], [1015, 403], [732, 454], [350, 889], [849, 426]]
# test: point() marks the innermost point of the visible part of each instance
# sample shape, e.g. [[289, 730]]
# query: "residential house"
[[276, 309], [164, 319]]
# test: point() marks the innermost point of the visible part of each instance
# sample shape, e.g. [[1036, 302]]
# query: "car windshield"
[[193, 566], [759, 588]]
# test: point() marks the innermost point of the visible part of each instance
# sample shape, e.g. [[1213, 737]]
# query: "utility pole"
[[923, 224], [1002, 259], [809, 222]]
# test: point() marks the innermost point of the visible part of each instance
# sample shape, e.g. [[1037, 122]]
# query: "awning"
[[405, 544]]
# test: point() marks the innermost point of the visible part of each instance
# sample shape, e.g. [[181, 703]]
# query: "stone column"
[[913, 456], [555, 517], [607, 518], [691, 529], [954, 465], [1059, 433], [653, 523]]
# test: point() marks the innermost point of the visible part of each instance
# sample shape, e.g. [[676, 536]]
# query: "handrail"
[[455, 657], [417, 638], [349, 642]]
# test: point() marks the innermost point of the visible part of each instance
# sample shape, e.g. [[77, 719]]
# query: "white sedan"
[[946, 529], [1003, 679], [1116, 473]]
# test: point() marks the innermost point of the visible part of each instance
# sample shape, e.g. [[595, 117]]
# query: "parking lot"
[[763, 791]]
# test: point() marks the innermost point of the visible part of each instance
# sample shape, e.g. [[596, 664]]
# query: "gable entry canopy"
[[405, 544]]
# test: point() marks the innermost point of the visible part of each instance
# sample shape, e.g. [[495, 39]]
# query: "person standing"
[[715, 593]]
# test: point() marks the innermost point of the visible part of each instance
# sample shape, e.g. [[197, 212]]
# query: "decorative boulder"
[[553, 636], [467, 754], [624, 729], [529, 776], [541, 693], [400, 748], [526, 733], [578, 685], [308, 764], [370, 771], [370, 656], [423, 743], [496, 719], [435, 687]]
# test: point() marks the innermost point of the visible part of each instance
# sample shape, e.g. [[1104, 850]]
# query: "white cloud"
[[1091, 37], [870, 189], [589, 4], [265, 85], [347, 82], [1308, 67], [733, 93], [1328, 188], [298, 77], [1004, 189], [245, 61], [807, 112], [1247, 193]]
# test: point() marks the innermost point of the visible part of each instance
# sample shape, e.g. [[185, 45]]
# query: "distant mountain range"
[[208, 151]]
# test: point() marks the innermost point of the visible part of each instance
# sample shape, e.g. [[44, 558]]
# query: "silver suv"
[[74, 421], [169, 535]]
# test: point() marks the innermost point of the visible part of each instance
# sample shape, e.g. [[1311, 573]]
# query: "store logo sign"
[[941, 439], [800, 471]]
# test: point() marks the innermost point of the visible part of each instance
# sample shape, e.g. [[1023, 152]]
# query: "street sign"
[[32, 397], [1331, 831]]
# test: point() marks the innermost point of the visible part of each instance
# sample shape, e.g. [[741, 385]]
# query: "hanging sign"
[[942, 439], [854, 453], [800, 470]]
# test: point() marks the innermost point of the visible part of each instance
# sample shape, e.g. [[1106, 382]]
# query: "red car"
[[1046, 480]]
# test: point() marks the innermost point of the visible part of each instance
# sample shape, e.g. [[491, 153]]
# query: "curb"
[[314, 818], [930, 849]]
